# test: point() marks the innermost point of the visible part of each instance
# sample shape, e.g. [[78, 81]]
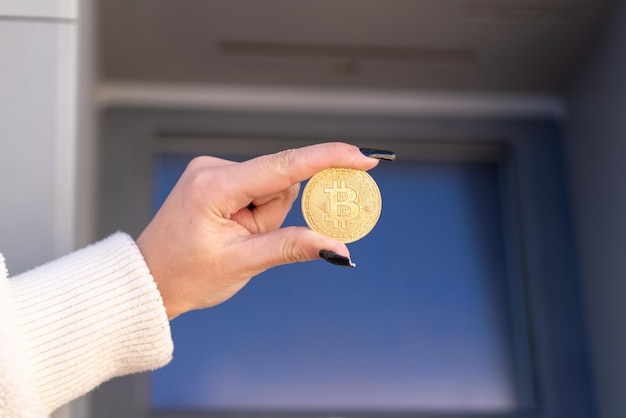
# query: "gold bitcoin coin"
[[342, 203]]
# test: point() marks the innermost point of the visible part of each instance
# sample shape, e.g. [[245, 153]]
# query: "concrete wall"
[[597, 155]]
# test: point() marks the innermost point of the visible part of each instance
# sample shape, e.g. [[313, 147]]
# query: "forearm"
[[88, 317]]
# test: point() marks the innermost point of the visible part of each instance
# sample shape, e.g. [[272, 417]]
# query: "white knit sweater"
[[76, 322]]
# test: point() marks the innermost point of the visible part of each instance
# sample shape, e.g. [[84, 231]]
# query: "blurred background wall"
[[597, 148], [64, 61], [38, 49]]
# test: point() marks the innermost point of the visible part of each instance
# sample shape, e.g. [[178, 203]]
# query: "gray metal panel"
[[63, 9], [36, 141], [597, 151]]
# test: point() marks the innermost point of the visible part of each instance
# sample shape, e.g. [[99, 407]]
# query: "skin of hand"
[[220, 225]]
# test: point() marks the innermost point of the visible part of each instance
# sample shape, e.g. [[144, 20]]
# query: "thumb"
[[291, 245]]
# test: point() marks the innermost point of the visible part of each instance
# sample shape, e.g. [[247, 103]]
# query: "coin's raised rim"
[[320, 176]]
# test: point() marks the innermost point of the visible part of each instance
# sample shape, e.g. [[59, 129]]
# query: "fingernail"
[[378, 154], [336, 259]]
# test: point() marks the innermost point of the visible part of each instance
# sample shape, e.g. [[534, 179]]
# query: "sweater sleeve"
[[77, 322]]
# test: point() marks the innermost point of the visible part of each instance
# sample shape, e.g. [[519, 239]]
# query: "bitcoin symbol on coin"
[[343, 206], [341, 203]]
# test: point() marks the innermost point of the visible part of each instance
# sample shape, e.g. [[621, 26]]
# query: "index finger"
[[275, 172]]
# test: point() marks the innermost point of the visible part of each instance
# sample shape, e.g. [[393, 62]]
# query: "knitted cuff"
[[90, 316], [18, 395]]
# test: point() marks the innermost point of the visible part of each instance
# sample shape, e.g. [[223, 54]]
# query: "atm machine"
[[492, 285]]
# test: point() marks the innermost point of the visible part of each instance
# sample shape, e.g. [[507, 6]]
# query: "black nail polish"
[[336, 259], [378, 154]]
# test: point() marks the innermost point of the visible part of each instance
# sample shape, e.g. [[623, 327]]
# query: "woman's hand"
[[220, 225]]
